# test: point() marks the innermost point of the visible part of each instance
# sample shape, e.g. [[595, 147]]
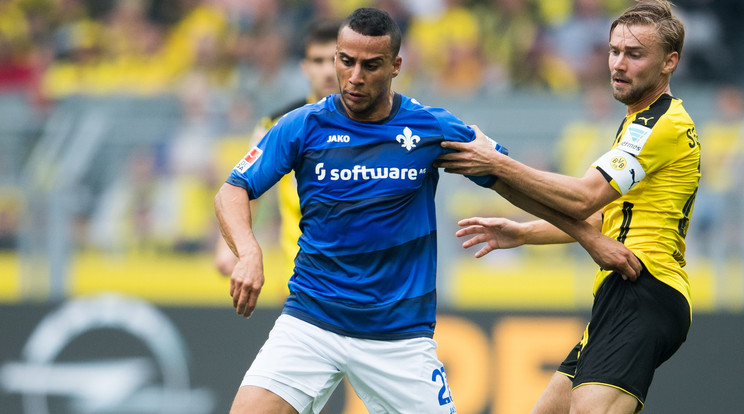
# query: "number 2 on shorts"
[[445, 394]]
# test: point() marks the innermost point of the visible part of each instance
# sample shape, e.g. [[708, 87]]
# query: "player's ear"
[[670, 63], [396, 65]]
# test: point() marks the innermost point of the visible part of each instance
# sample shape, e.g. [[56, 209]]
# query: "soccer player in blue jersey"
[[362, 297]]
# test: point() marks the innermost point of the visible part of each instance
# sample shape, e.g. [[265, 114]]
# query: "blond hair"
[[658, 13]]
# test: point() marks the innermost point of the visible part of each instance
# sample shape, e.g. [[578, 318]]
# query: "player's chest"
[[381, 159]]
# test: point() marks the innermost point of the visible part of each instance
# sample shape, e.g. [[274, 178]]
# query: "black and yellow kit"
[[635, 326]]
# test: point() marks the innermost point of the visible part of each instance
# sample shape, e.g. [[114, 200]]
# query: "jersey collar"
[[393, 111]]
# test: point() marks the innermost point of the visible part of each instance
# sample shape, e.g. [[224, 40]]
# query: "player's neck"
[[380, 111], [649, 98]]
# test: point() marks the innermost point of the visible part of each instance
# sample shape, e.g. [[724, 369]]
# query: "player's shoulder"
[[664, 123], [664, 117], [413, 107], [666, 112], [412, 104]]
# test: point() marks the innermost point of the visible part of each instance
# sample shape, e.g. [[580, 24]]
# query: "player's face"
[[639, 67], [365, 67], [319, 68]]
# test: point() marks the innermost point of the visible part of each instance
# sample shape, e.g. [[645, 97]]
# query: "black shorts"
[[634, 328]]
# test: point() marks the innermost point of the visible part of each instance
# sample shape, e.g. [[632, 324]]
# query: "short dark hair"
[[368, 21], [320, 32], [657, 13]]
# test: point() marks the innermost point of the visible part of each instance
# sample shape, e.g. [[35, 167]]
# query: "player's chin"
[[357, 106]]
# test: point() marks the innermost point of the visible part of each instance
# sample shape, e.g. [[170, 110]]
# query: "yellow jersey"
[[652, 216]]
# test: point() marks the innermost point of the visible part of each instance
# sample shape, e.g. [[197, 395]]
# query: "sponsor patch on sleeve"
[[634, 139], [249, 159]]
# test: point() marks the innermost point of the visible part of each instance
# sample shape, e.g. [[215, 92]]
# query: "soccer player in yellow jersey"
[[318, 65], [640, 193]]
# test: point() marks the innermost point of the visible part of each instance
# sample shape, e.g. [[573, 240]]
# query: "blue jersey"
[[367, 260]]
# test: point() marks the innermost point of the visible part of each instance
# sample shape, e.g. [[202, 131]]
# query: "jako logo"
[[361, 172], [338, 138]]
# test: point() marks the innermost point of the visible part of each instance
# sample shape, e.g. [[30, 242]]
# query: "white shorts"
[[303, 364]]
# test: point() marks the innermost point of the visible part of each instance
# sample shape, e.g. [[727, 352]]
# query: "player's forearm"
[[555, 227], [224, 258], [606, 252], [543, 232], [563, 193], [233, 211]]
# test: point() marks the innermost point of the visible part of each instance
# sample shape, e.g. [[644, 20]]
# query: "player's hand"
[[610, 254], [246, 282], [496, 232], [473, 158]]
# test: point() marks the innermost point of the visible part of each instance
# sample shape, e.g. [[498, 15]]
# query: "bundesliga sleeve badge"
[[249, 159]]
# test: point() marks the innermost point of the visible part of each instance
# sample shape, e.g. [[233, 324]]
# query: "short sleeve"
[[273, 157]]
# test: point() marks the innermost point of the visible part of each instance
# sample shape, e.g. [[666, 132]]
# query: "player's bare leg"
[[593, 398], [556, 398], [257, 400]]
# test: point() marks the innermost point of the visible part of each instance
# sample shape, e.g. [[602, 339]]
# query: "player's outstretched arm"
[[560, 228], [233, 211], [502, 233], [576, 197]]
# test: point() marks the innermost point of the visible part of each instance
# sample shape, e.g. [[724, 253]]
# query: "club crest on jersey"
[[618, 163], [634, 138], [407, 140], [249, 159]]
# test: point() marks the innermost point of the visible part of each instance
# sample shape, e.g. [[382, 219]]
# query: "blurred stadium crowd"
[[228, 62], [246, 50]]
